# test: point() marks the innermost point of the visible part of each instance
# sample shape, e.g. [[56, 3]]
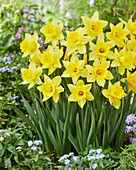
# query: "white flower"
[[92, 150], [71, 153], [99, 151], [34, 148], [94, 166], [102, 155], [91, 3], [75, 158], [1, 138], [19, 148], [30, 143], [40, 152], [90, 157], [7, 134], [37, 142], [67, 161]]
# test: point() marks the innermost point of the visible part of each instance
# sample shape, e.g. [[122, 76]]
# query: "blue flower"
[[30, 143], [40, 152], [34, 148], [94, 166]]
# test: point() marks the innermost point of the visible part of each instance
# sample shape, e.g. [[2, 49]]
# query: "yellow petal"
[[56, 81], [75, 78], [104, 23], [84, 72], [81, 102], [100, 38], [65, 74], [31, 85], [109, 75], [71, 98], [47, 79], [121, 69], [89, 96], [116, 103], [95, 17], [59, 89], [71, 87], [86, 20], [105, 93], [54, 22], [100, 82], [88, 87], [80, 83], [81, 49], [56, 97], [91, 78]]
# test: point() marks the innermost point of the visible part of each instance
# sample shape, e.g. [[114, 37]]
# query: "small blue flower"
[[34, 148], [99, 151], [40, 152], [75, 158], [30, 143], [67, 161], [94, 166], [71, 153]]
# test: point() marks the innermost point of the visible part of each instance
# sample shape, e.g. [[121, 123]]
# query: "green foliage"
[[15, 153], [63, 125], [128, 159]]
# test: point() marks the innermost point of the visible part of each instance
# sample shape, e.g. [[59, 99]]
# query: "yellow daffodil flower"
[[131, 79], [114, 93], [130, 27], [102, 49], [76, 41], [29, 46], [31, 75], [131, 46], [99, 72], [75, 69], [124, 60], [80, 93], [51, 59], [52, 32], [51, 88], [36, 59], [93, 26], [117, 34]]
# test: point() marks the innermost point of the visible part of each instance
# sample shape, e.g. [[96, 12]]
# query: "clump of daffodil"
[[52, 32], [130, 27], [75, 69], [31, 75], [30, 46], [93, 26], [123, 60], [51, 88], [117, 34], [80, 93], [99, 72], [36, 59], [76, 41], [51, 59], [114, 93], [102, 49], [131, 79]]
